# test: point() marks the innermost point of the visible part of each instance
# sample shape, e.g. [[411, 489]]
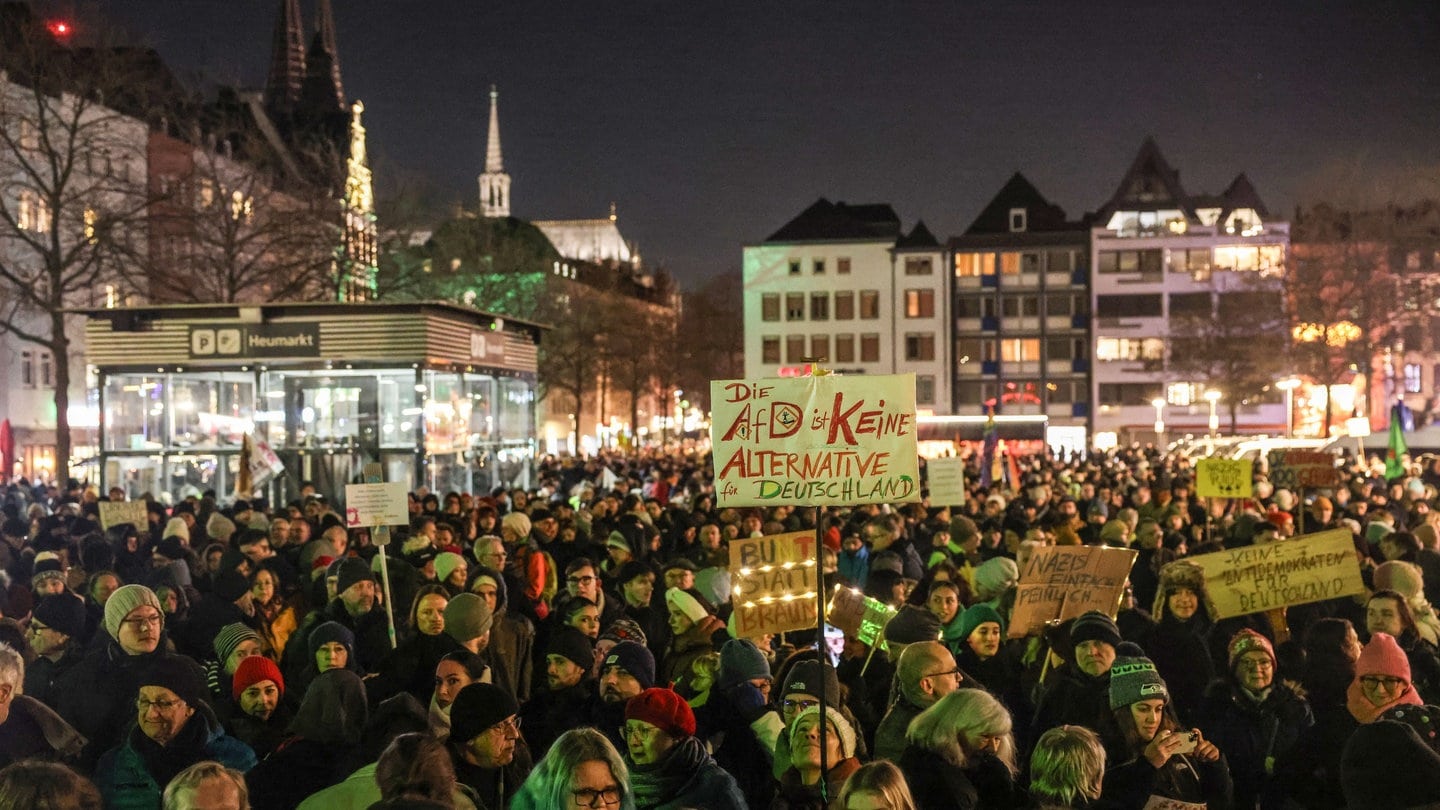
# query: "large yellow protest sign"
[[774, 583], [1223, 478], [1061, 582], [813, 441], [1309, 568]]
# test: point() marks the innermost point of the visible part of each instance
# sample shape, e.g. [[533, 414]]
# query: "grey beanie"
[[467, 617], [124, 600]]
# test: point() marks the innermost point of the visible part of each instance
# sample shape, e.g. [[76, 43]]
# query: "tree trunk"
[[60, 361], [1325, 431], [1234, 417]]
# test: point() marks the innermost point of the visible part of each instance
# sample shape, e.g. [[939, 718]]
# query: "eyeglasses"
[[800, 705], [955, 673], [589, 797], [1388, 683], [163, 705], [508, 725], [1258, 664], [137, 622], [586, 580], [637, 730], [37, 627]]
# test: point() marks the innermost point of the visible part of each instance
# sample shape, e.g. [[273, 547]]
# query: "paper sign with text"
[[860, 616], [132, 512], [1164, 803], [1223, 478], [815, 441], [1308, 568], [773, 583], [1297, 469], [1061, 582], [376, 505], [947, 481], [264, 463]]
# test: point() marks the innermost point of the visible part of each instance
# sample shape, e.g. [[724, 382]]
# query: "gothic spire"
[[494, 183], [323, 91], [287, 59]]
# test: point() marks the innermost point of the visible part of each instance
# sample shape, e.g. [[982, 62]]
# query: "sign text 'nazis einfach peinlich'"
[[813, 441]]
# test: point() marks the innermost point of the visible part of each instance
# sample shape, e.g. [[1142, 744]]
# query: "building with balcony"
[[1175, 276], [1022, 314], [843, 285]]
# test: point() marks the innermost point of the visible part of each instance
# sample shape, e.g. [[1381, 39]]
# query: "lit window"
[[90, 219], [920, 346], [34, 213], [1412, 378], [971, 265], [1020, 350], [919, 303]]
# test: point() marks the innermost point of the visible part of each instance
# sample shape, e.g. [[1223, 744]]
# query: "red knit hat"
[[1383, 656], [663, 709], [1248, 640], [252, 670]]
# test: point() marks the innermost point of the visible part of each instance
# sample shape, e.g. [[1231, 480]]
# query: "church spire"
[[494, 183], [287, 59], [323, 91]]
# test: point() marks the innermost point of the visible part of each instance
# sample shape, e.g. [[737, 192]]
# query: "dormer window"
[[1017, 220]]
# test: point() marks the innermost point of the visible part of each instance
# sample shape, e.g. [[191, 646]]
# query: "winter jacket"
[[740, 743], [97, 696], [359, 791], [372, 641], [1180, 654], [34, 731], [686, 777], [511, 651], [684, 649], [410, 668], [937, 784], [549, 714], [42, 674], [1188, 779], [1072, 697], [1309, 774], [296, 769], [797, 796], [890, 740], [1254, 735], [132, 776]]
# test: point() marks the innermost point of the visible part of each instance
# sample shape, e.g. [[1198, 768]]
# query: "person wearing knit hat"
[[683, 604], [219, 528], [1254, 717], [1382, 680], [569, 659], [625, 671], [692, 627], [1078, 693], [669, 766], [801, 783], [1385, 765], [332, 646], [568, 691], [1177, 644], [803, 685], [484, 734], [134, 618], [468, 620], [911, 624], [451, 571], [994, 577], [259, 716], [177, 527], [515, 527], [234, 643], [351, 577], [742, 661], [1190, 767], [56, 634]]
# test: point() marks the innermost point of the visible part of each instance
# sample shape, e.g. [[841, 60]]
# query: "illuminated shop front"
[[440, 395]]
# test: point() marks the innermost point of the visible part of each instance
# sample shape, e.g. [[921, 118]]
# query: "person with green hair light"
[[581, 769]]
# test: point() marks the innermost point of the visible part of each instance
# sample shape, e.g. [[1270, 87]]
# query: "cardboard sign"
[[1223, 478], [1297, 469], [376, 505], [947, 481], [1061, 582], [773, 583], [859, 615], [814, 441], [116, 514], [264, 463], [1162, 803], [1309, 568]]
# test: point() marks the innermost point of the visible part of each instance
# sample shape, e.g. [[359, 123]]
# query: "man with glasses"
[[486, 747], [1254, 718], [927, 672], [57, 625], [28, 728], [669, 766], [582, 578], [174, 729]]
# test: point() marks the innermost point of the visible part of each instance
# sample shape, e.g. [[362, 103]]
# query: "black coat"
[[1180, 655], [1309, 775], [1074, 698], [1253, 734], [1189, 779], [97, 696], [984, 784]]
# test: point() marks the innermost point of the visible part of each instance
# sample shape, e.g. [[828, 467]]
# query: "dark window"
[[1190, 304], [920, 346], [1128, 306], [770, 350], [795, 306], [794, 267], [844, 348], [819, 306], [1128, 393], [795, 349], [1259, 308], [820, 347], [870, 348], [1060, 261], [819, 266], [770, 307], [845, 306]]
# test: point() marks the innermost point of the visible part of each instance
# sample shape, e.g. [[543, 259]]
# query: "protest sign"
[[376, 505], [812, 441], [859, 615], [1061, 582], [947, 481], [1297, 469], [1163, 803], [114, 513], [264, 463], [1305, 569], [1223, 478], [773, 583]]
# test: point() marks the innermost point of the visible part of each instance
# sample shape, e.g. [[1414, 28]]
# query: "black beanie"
[[572, 645], [231, 585], [62, 612], [912, 624], [807, 677], [1094, 626], [1386, 766], [178, 674], [478, 707]]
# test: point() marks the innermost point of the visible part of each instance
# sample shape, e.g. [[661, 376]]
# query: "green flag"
[[1393, 469]]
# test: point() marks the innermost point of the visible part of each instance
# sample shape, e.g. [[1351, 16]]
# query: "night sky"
[[711, 124]]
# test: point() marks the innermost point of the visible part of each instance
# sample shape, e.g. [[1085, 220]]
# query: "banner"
[[1061, 582], [264, 464], [946, 481], [815, 441], [368, 505], [1294, 469], [1308, 568], [774, 584], [860, 616], [114, 513], [1224, 478]]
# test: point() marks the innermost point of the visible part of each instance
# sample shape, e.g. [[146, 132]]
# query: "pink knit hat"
[[1382, 656]]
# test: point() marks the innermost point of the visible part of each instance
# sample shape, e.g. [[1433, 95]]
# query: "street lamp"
[[1213, 396], [1159, 403], [1288, 385]]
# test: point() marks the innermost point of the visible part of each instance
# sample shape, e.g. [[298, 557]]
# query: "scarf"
[[663, 781], [164, 762], [439, 719]]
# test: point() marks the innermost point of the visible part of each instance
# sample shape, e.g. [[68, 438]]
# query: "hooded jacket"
[[511, 651]]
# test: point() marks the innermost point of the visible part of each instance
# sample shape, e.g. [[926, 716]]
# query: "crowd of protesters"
[[572, 644]]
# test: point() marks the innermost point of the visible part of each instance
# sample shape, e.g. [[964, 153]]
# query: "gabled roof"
[[1019, 192], [827, 221], [1150, 185], [919, 237], [1241, 194]]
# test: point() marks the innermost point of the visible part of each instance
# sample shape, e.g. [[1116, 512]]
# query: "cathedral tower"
[[494, 183]]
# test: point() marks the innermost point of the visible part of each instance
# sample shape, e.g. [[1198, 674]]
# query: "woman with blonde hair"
[[876, 786], [961, 753], [1067, 769]]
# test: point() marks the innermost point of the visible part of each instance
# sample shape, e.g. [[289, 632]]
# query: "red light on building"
[[59, 29]]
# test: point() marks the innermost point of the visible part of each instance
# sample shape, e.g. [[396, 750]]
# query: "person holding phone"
[[1162, 760]]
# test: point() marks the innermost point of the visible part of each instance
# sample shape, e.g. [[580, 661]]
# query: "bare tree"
[[1238, 348], [713, 336], [73, 193]]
